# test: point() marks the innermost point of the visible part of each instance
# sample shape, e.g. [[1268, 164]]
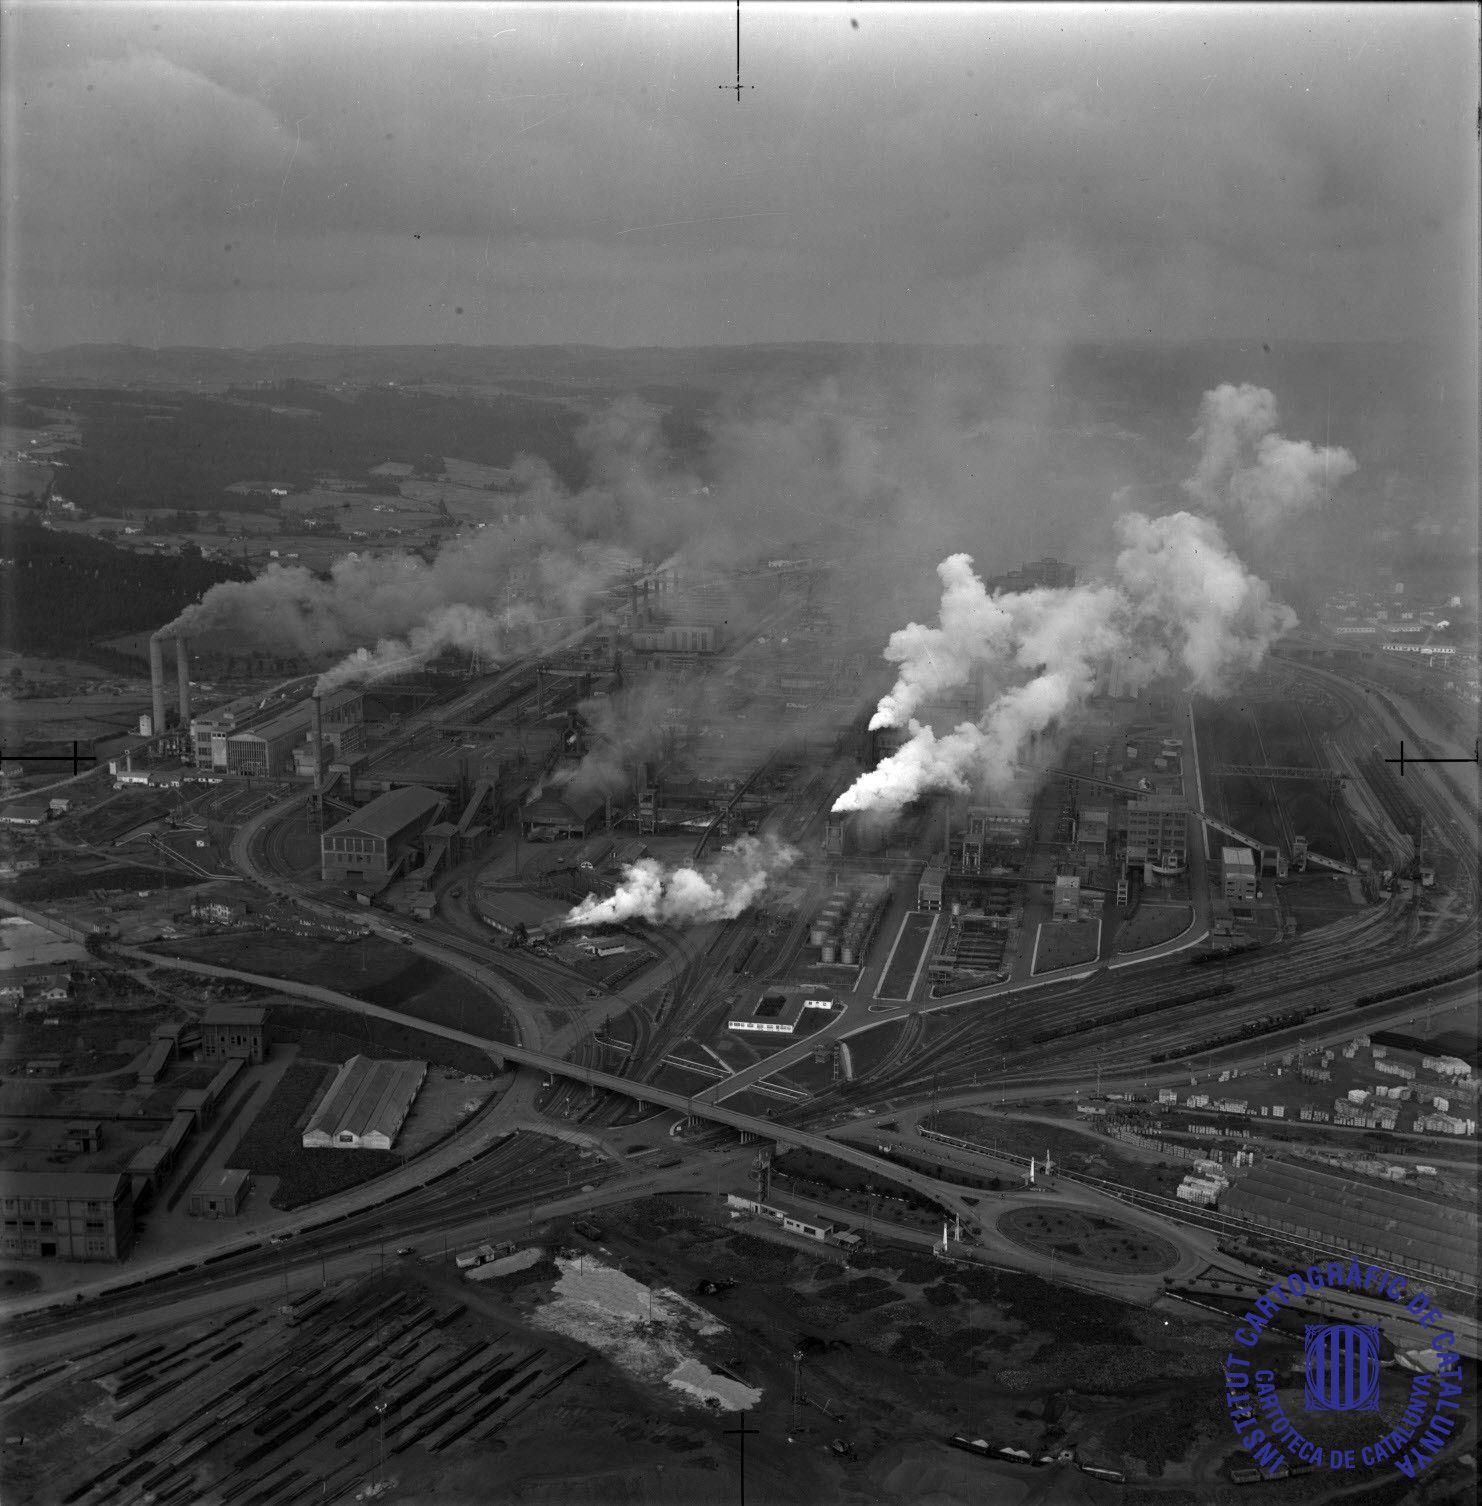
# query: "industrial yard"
[[745, 777], [420, 1372]]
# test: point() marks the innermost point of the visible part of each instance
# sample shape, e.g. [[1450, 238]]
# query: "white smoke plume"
[[1178, 598], [736, 880], [1248, 469]]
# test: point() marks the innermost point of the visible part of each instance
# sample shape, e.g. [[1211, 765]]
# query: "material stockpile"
[[646, 1331]]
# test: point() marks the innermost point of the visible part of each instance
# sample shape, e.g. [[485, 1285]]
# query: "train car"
[[306, 1306]]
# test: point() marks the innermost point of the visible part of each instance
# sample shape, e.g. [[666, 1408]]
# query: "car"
[[405, 1250], [280, 1239]]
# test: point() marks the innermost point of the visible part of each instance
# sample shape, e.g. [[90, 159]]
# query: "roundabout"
[[1088, 1239]]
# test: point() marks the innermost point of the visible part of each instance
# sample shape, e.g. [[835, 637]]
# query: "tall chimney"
[[182, 675], [157, 682], [318, 751]]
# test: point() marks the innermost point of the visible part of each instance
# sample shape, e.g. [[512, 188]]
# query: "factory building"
[[208, 733], [266, 748], [778, 1011], [66, 1215], [679, 638], [1238, 871], [1092, 829], [929, 890], [234, 1030], [380, 841], [554, 817], [1158, 833], [1036, 574], [365, 1106], [245, 723], [1067, 902], [219, 1194]]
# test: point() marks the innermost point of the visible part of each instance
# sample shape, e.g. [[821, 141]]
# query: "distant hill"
[[63, 592], [1394, 390]]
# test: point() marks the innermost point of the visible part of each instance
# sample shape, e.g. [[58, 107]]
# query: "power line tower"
[[761, 1174]]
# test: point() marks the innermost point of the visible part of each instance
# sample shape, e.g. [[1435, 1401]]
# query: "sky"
[[248, 174]]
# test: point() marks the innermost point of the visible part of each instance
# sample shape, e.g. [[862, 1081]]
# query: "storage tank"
[[830, 950]]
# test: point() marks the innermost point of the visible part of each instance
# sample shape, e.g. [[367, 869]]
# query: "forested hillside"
[[175, 450], [60, 592]]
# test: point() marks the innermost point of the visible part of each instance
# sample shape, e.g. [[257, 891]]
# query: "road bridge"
[[506, 1053]]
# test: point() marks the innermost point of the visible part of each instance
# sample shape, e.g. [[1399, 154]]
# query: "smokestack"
[[157, 682], [318, 750], [182, 675]]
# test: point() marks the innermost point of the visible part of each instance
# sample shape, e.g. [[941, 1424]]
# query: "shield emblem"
[[1342, 1367]]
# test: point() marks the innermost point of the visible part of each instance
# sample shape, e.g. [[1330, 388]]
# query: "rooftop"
[[563, 806], [295, 718], [367, 1096], [94, 1185], [390, 814], [234, 1014], [224, 1181]]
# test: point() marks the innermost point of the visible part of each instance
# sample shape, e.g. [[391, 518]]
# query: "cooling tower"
[[182, 674], [157, 682]]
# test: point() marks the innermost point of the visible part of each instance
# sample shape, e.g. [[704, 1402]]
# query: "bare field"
[[1152, 925], [1066, 945]]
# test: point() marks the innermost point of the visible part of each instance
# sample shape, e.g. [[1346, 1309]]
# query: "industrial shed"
[[366, 1105], [220, 1194], [381, 840], [1380, 1222], [555, 816]]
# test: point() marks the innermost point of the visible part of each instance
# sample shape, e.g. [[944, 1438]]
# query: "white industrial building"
[[366, 1105], [779, 1010], [1238, 871]]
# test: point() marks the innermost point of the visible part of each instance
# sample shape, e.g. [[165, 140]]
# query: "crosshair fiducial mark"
[[738, 86], [1405, 758], [75, 758]]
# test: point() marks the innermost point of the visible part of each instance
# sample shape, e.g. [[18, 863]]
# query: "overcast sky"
[[222, 174]]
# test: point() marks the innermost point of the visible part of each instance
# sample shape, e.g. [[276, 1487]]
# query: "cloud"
[[939, 178], [1177, 600], [1248, 469], [685, 895]]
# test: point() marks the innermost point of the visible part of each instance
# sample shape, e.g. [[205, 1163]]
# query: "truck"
[[588, 1230]]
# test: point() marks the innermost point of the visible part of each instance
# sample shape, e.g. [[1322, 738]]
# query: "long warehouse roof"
[[367, 1097]]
